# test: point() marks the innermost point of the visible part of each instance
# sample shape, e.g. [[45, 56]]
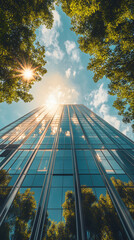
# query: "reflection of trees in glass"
[[4, 191], [23, 214], [100, 218], [69, 214], [4, 181], [56, 231], [18, 223], [63, 230], [126, 192]]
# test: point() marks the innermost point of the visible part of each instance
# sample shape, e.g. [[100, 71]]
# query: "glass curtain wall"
[[67, 174]]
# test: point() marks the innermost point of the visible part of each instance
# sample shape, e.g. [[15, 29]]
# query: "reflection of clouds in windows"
[[38, 118], [54, 130], [67, 133], [74, 120], [42, 170], [5, 136], [83, 137], [22, 136], [43, 124], [109, 171]]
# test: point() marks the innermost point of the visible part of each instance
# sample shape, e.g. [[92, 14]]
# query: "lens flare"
[[26, 71], [51, 102]]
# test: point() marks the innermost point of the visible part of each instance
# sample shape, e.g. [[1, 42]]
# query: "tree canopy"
[[18, 22], [106, 32]]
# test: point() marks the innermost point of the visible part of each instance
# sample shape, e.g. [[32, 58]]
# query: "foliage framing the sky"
[[19, 20], [106, 33], [106, 30]]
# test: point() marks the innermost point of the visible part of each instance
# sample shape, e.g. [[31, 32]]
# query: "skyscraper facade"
[[65, 174]]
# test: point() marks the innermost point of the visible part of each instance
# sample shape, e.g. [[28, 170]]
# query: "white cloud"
[[97, 100], [50, 38], [81, 67], [74, 73], [64, 95], [56, 53], [68, 72], [126, 130], [97, 97], [69, 46], [103, 109], [57, 20], [72, 50], [75, 55], [104, 112], [56, 87]]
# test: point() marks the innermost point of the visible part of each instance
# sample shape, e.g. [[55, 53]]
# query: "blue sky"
[[67, 79]]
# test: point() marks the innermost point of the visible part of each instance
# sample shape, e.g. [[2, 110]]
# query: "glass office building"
[[65, 174]]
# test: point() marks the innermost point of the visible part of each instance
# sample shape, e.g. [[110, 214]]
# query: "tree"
[[21, 215], [62, 230], [106, 30], [126, 192], [88, 198], [4, 190], [18, 22], [19, 220], [100, 218], [69, 214]]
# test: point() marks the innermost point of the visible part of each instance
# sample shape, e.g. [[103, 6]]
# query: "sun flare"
[[28, 73], [51, 101]]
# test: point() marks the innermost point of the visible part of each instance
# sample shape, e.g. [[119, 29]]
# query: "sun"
[[51, 101], [28, 73]]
